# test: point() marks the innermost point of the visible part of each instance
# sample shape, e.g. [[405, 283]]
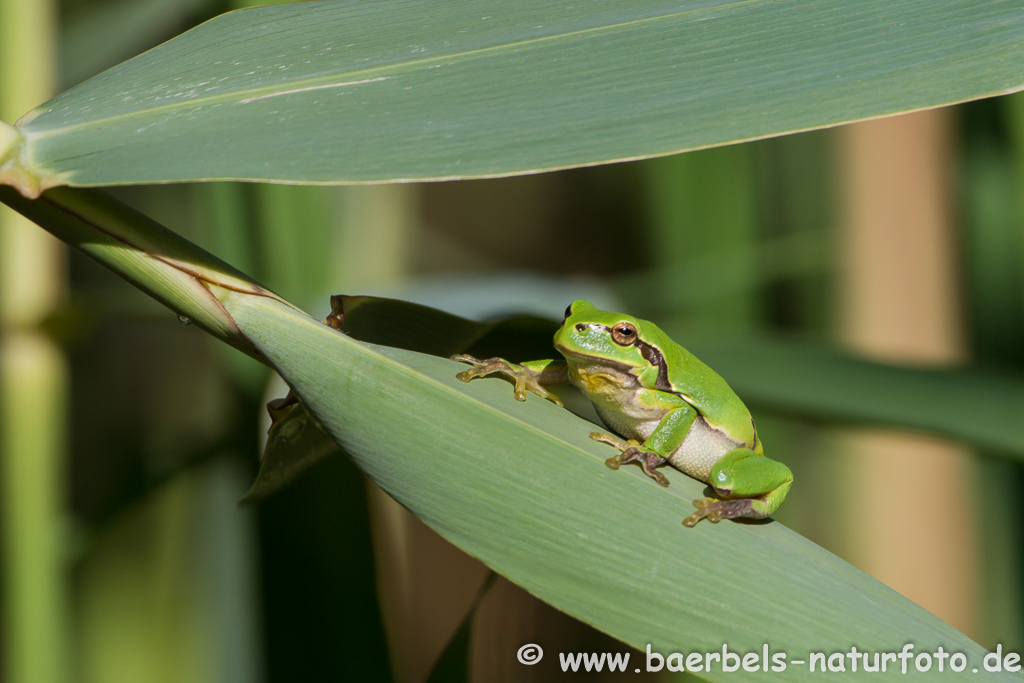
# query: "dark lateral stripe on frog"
[[652, 356]]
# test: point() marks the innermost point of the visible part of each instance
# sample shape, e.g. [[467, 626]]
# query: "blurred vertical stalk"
[[701, 211], [994, 242], [912, 517], [33, 388]]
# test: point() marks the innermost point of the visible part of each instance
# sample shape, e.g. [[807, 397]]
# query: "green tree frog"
[[670, 407]]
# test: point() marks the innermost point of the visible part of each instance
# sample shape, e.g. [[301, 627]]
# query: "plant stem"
[[37, 604], [183, 277]]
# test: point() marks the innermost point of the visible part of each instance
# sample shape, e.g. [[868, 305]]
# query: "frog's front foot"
[[524, 379], [482, 367], [631, 452]]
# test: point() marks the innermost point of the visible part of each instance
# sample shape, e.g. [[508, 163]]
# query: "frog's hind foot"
[[748, 485], [715, 510]]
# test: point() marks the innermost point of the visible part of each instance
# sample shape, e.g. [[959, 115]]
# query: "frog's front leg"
[[631, 452], [749, 485], [529, 376], [665, 438]]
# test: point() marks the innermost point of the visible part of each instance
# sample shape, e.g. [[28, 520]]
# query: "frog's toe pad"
[[716, 510]]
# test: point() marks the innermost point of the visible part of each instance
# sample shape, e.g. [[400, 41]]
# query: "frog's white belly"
[[614, 394], [700, 450]]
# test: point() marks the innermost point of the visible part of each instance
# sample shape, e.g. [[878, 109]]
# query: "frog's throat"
[[600, 383]]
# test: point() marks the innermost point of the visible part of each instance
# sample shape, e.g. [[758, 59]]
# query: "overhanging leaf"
[[363, 91], [523, 488]]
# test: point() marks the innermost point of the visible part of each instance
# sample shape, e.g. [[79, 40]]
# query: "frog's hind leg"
[[749, 485]]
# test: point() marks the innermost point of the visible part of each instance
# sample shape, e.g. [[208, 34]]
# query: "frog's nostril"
[[580, 327]]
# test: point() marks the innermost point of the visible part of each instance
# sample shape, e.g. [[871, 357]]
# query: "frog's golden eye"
[[624, 334]]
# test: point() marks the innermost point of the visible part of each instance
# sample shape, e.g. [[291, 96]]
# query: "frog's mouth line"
[[615, 365]]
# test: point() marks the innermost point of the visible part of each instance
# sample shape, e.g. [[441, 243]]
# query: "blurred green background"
[[127, 438]]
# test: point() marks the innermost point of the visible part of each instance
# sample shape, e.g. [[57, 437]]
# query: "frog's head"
[[613, 339]]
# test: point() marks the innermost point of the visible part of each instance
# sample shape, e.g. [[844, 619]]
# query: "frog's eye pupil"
[[624, 334], [568, 311]]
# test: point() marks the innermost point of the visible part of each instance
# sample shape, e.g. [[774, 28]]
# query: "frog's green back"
[[702, 387]]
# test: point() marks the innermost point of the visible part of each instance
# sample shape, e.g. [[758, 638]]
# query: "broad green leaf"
[[355, 91], [296, 441], [521, 486]]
